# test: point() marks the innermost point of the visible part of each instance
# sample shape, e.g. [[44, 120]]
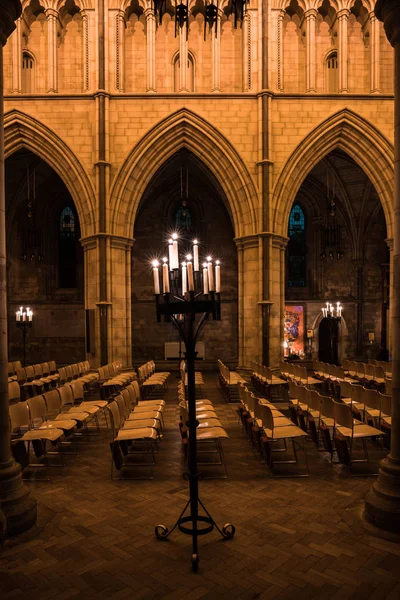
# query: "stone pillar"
[[343, 19], [17, 507], [151, 49], [246, 52], [374, 53], [216, 54], [249, 286], [279, 58], [86, 62], [358, 265], [120, 338], [91, 295], [382, 503], [310, 16], [17, 58], [277, 298], [52, 17], [389, 243], [183, 60]]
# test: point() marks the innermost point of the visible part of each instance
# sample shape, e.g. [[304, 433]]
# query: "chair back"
[[379, 372], [69, 372], [37, 409], [123, 405], [53, 402], [77, 390], [346, 389], [75, 371], [37, 371], [21, 374], [53, 367], [356, 393], [372, 399], [136, 389], [386, 404], [343, 415], [128, 400], [19, 416], [63, 375], [251, 402], [115, 414], [45, 369], [66, 395], [327, 409], [14, 392], [388, 387], [266, 417], [314, 400], [184, 412]]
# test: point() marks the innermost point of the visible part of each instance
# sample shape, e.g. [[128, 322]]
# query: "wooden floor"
[[295, 538]]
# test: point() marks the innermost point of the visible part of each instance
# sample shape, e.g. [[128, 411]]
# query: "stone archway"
[[360, 140], [184, 129], [23, 131]]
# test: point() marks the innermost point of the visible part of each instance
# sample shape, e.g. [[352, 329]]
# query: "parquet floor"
[[295, 538]]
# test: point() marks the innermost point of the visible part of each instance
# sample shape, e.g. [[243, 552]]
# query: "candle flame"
[[195, 241], [209, 258], [217, 262], [174, 236], [205, 265], [170, 241], [155, 263], [183, 264], [189, 257], [165, 259]]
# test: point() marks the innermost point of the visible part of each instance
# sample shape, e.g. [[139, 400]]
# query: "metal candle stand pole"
[[181, 310], [23, 319]]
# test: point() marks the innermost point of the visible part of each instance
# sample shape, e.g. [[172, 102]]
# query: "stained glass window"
[[297, 267]]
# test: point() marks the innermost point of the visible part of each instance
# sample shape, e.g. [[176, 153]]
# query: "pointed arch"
[[23, 131], [355, 136], [184, 129]]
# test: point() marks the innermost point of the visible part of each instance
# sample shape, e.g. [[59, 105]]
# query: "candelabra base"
[[190, 525]]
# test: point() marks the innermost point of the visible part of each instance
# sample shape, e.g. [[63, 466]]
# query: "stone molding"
[[116, 241]]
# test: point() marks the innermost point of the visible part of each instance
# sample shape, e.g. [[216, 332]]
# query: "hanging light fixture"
[[331, 232], [331, 312]]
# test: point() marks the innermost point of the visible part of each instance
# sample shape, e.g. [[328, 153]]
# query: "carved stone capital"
[[388, 11], [10, 10], [344, 13], [311, 13]]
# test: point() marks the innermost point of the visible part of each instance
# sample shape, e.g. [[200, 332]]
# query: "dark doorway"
[[328, 339]]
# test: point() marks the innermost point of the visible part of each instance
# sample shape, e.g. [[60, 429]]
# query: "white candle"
[[210, 274], [24, 316], [205, 279], [196, 255], [217, 277], [189, 266], [175, 256], [170, 253], [165, 276], [184, 279], [29, 313], [156, 277], [18, 315]]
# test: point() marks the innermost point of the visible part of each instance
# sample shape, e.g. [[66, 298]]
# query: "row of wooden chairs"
[[149, 379], [228, 381], [52, 417], [366, 374], [209, 433], [333, 422], [136, 429], [294, 372], [271, 433]]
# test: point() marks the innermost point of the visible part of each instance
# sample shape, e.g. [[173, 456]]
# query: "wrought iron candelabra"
[[188, 292], [24, 319]]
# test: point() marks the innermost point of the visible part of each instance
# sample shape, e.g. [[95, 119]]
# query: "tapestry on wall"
[[294, 330]]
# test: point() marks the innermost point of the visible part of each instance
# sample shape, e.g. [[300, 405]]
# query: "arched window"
[[332, 73], [297, 266], [190, 73], [67, 249], [28, 73]]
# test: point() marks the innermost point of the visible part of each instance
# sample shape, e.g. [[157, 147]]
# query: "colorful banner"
[[294, 330]]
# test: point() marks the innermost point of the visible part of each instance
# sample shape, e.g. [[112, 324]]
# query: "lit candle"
[[331, 309], [29, 314], [156, 277], [327, 307], [165, 276], [205, 279], [217, 277], [210, 274], [170, 253], [18, 315], [189, 266], [196, 255], [175, 256], [24, 316], [184, 279]]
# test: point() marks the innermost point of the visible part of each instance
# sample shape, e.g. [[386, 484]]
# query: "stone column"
[[151, 49], [249, 286], [216, 54], [17, 507], [52, 17], [343, 19], [17, 58], [279, 57], [374, 53], [183, 60], [277, 298], [310, 16], [246, 52], [120, 309], [389, 243], [358, 265], [382, 503], [86, 63]]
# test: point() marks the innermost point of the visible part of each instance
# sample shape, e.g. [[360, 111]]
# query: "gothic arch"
[[184, 129], [23, 131], [355, 136]]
